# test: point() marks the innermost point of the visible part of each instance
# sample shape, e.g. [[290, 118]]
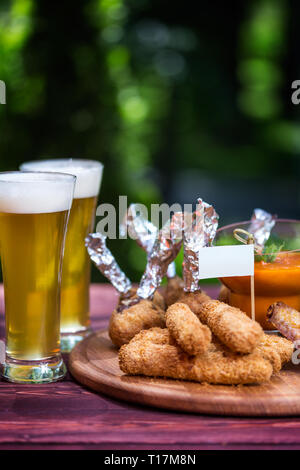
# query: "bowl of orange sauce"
[[276, 270]]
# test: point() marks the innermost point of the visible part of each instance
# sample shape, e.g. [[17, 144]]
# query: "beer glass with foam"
[[75, 308], [34, 211]]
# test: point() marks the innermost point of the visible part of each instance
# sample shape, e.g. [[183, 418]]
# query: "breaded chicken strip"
[[194, 300], [125, 324], [173, 290], [271, 354], [152, 353], [185, 327], [232, 326], [282, 346]]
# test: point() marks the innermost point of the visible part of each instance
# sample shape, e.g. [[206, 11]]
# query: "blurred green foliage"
[[149, 89]]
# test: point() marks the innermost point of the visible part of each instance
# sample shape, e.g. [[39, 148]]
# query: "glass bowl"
[[276, 273]]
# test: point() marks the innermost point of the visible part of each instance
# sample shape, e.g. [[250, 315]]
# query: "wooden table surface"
[[65, 415]]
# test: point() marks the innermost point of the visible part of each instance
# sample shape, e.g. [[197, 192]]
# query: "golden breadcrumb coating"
[[283, 346], [155, 335], [173, 290], [224, 294], [124, 325], [185, 327], [194, 300], [152, 353], [269, 353], [232, 326]]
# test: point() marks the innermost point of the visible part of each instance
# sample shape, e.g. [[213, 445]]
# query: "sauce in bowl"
[[275, 281]]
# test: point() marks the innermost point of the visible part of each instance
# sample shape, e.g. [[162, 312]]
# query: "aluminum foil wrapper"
[[139, 228], [199, 231], [144, 232], [106, 263], [261, 225], [287, 320], [164, 251]]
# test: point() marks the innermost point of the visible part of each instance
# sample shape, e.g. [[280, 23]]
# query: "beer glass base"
[[34, 372], [69, 340]]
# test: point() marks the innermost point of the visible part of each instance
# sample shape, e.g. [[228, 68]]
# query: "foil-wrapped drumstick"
[[286, 319], [190, 334], [232, 326], [155, 353], [164, 251], [106, 263], [125, 324], [199, 231], [129, 317], [136, 310], [143, 231]]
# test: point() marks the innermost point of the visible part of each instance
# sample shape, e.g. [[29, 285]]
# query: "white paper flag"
[[226, 261]]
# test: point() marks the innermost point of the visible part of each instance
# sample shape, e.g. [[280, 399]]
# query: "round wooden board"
[[94, 363]]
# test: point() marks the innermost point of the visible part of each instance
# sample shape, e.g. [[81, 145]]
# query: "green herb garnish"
[[269, 253]]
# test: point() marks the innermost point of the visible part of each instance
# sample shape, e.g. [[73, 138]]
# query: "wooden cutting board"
[[94, 363]]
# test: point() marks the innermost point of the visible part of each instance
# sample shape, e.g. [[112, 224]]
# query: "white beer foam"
[[35, 193], [88, 173]]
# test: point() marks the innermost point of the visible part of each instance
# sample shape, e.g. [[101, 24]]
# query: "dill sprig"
[[270, 252]]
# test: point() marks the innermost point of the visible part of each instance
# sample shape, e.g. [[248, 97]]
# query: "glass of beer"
[[34, 212], [75, 305]]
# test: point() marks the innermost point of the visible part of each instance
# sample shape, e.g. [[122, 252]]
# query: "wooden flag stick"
[[251, 241], [252, 298]]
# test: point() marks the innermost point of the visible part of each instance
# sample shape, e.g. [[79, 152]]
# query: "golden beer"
[[34, 210], [31, 251], [75, 308], [75, 305]]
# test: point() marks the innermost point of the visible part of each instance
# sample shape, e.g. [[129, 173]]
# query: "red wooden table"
[[65, 415]]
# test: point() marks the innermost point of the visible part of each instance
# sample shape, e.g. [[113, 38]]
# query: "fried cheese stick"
[[125, 324], [190, 334], [153, 353], [232, 326]]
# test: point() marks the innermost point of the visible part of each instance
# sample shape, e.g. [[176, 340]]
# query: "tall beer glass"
[[34, 211], [75, 308]]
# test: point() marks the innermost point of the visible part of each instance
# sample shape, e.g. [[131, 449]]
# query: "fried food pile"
[[218, 345], [133, 314], [196, 338]]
